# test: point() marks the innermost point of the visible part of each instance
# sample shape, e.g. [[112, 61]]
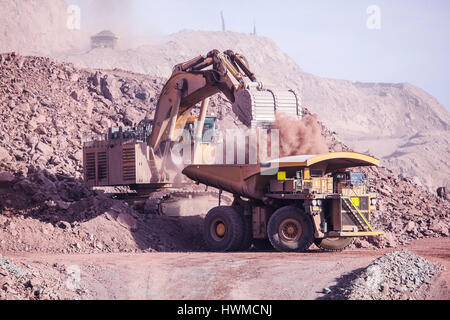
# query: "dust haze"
[[118, 16], [300, 136]]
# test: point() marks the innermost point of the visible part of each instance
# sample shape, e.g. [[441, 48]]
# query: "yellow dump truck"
[[290, 203], [104, 39]]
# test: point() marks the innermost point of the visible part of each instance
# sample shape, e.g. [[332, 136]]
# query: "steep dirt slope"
[[36, 27]]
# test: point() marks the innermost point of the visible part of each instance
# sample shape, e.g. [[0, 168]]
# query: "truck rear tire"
[[224, 229], [290, 229], [333, 244]]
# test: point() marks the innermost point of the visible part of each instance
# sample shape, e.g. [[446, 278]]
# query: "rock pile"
[[48, 110], [397, 275], [25, 282], [56, 213], [405, 211]]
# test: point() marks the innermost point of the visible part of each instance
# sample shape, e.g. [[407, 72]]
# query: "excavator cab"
[[204, 147], [210, 127], [209, 130]]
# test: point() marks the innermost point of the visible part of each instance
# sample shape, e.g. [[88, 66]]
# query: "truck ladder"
[[358, 215]]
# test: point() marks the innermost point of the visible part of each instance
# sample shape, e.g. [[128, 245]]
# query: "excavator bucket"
[[258, 108]]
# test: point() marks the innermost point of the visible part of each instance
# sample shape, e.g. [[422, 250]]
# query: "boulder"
[[110, 88], [4, 155], [45, 149], [441, 192]]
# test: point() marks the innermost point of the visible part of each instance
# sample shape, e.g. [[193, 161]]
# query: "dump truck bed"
[[251, 180], [243, 180]]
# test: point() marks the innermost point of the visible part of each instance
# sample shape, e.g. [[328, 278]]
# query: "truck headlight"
[[317, 203], [373, 201]]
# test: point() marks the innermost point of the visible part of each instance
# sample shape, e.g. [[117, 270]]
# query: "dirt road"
[[252, 275]]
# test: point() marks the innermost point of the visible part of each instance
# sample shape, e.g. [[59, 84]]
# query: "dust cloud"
[[300, 136], [118, 16]]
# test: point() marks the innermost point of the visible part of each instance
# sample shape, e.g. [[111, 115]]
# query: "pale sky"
[[327, 38]]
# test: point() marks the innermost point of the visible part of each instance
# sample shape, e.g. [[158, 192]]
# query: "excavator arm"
[[192, 82]]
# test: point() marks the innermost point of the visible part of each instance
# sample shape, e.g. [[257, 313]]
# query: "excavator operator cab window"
[[209, 130]]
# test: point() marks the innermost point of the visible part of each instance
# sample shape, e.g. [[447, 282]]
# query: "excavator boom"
[[192, 83]]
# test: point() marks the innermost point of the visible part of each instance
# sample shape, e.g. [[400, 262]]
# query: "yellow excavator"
[[140, 157]]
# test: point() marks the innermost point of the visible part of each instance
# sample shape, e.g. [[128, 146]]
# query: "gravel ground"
[[398, 275]]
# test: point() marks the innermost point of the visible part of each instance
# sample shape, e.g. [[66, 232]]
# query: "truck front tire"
[[290, 229], [224, 229], [333, 244]]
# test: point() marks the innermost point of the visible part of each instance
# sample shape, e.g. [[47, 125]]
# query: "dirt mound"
[[57, 214], [398, 275]]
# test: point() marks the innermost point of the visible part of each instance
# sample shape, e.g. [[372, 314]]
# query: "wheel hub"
[[218, 230], [290, 230]]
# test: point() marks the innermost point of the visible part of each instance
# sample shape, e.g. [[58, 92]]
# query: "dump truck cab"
[[295, 201], [104, 39]]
